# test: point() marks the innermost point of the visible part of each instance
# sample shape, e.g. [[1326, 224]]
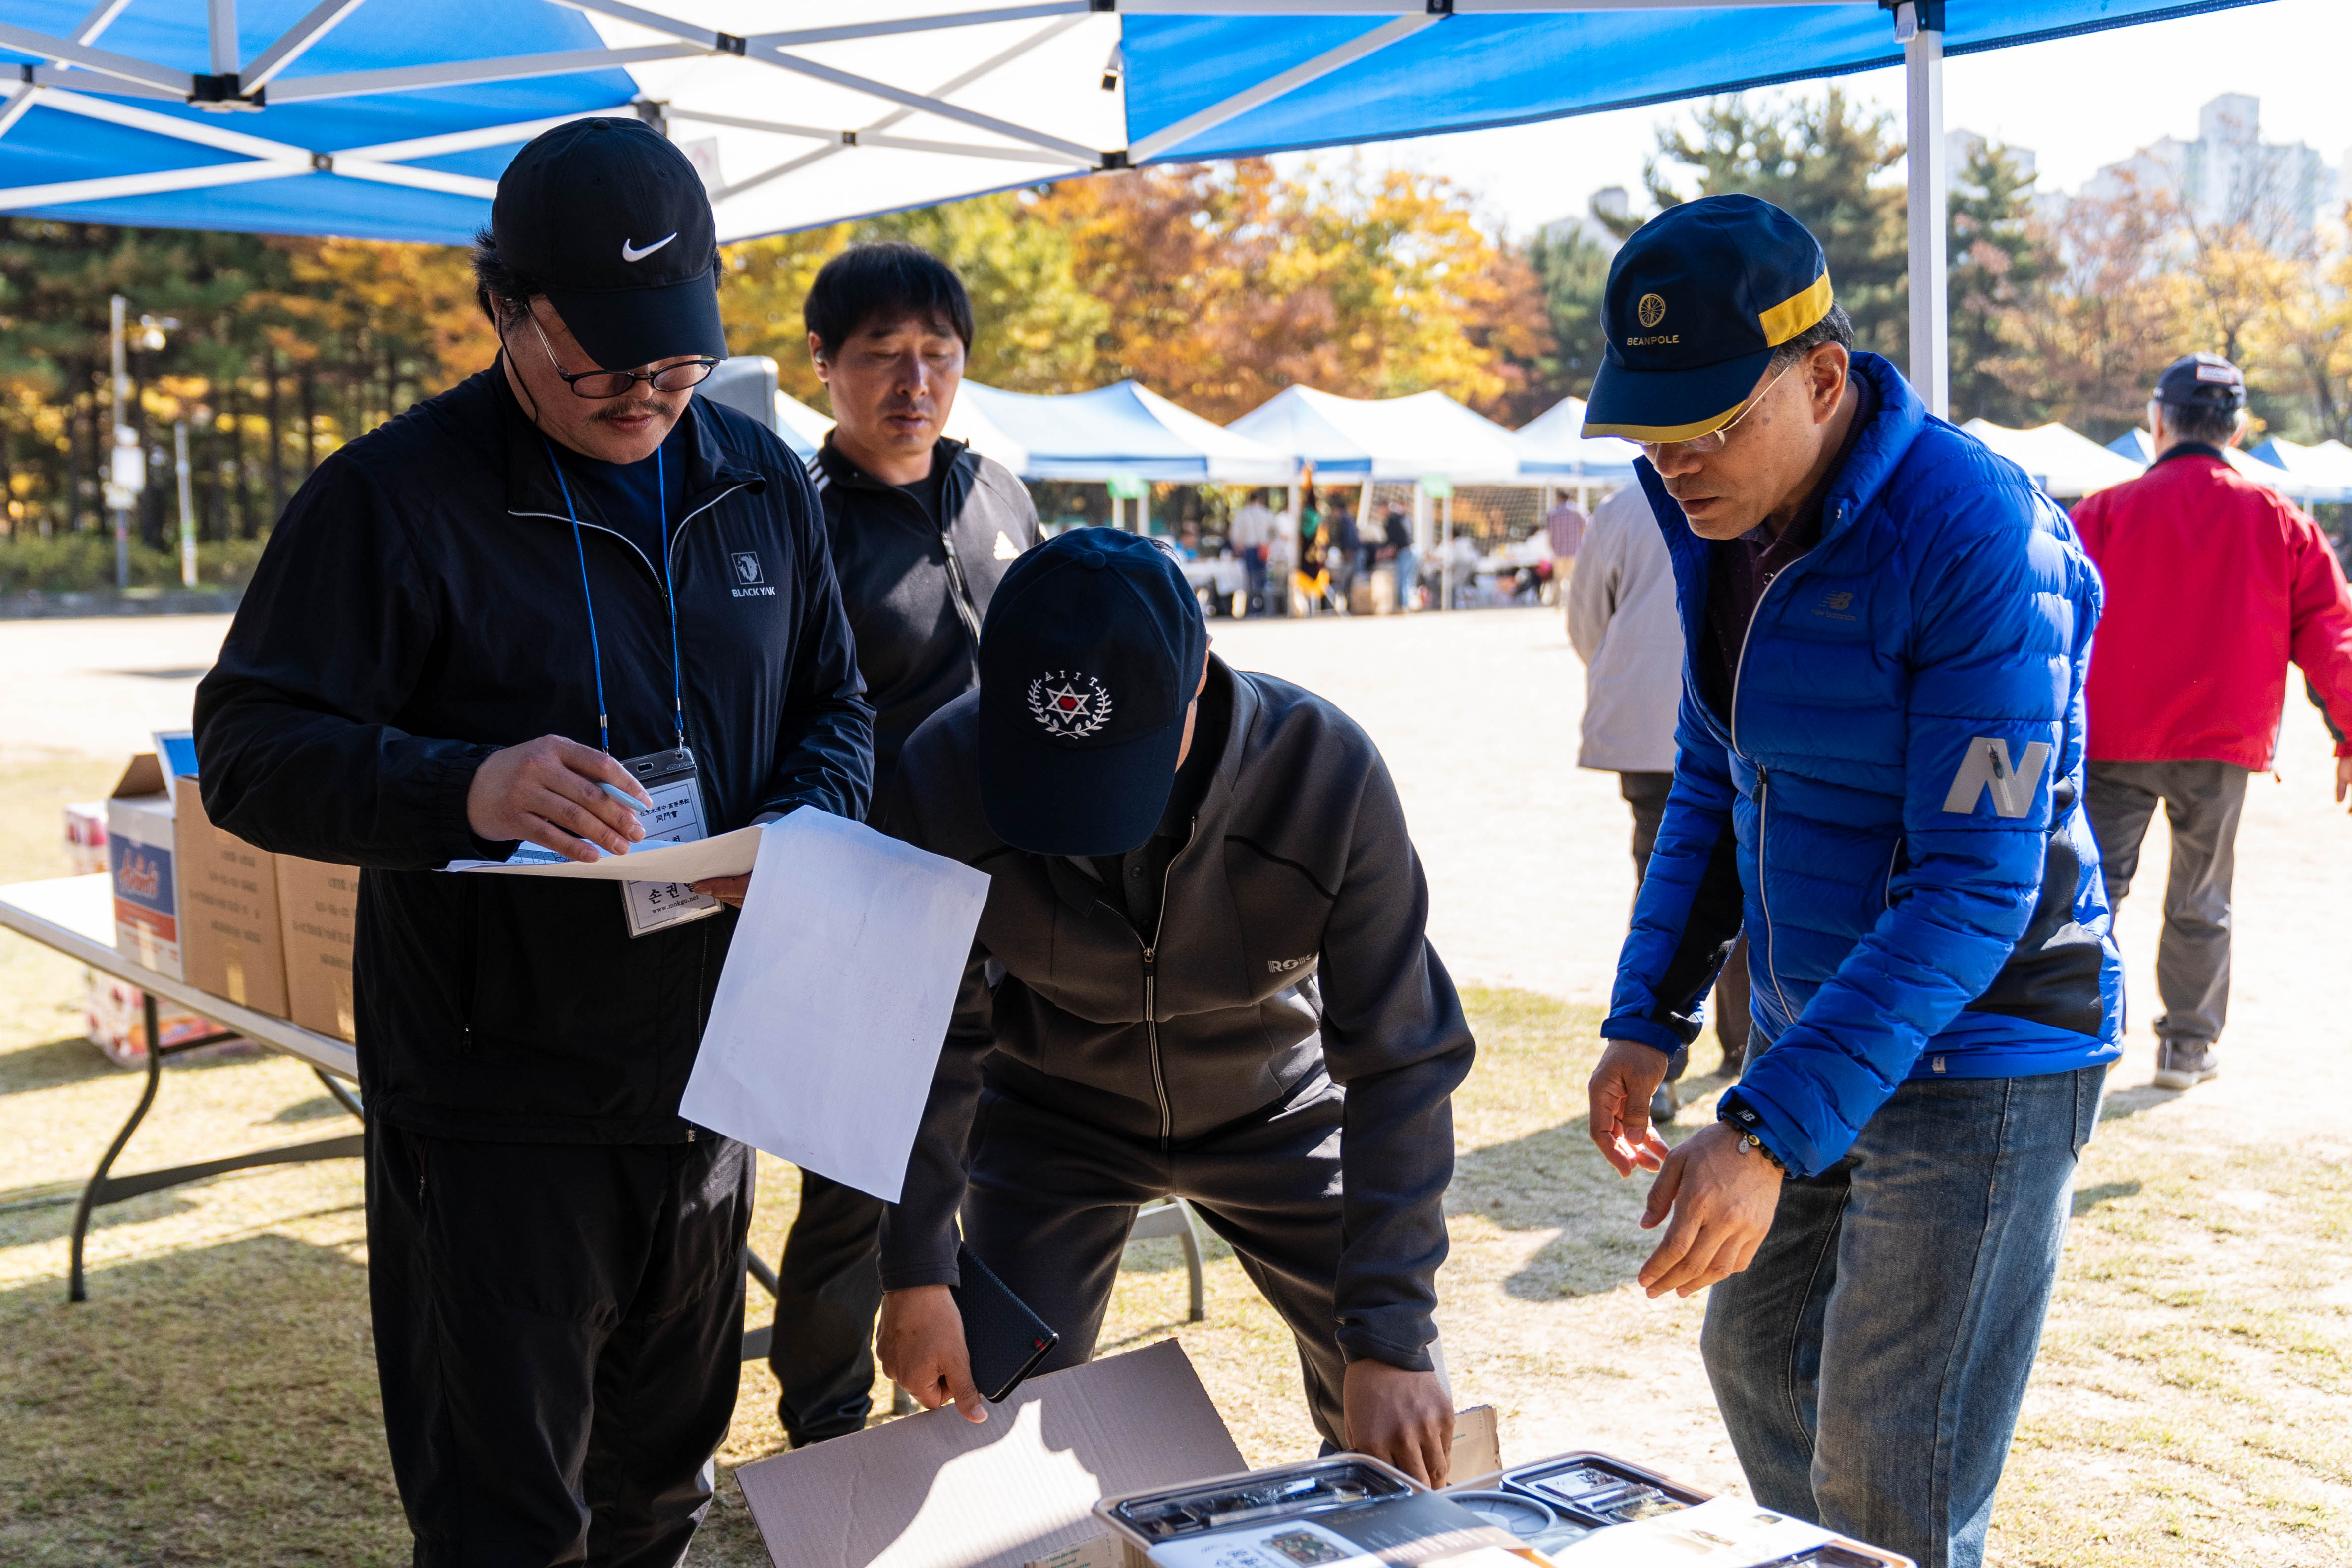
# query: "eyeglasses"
[[603, 384], [1713, 439]]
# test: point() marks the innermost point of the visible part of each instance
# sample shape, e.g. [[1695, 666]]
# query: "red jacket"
[[2214, 583]]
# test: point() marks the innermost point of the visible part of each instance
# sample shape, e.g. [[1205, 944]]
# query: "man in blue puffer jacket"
[[1880, 775]]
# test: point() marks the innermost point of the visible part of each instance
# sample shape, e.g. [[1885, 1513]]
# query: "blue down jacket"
[[1893, 806]]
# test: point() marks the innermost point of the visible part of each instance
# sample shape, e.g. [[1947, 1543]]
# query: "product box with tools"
[[230, 943], [1125, 1463], [317, 904]]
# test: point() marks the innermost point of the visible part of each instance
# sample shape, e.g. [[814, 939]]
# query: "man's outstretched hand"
[[1722, 1197], [1405, 1419], [546, 792], [1629, 1073], [920, 1343], [2343, 779]]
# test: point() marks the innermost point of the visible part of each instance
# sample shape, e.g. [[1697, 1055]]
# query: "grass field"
[[214, 1401]]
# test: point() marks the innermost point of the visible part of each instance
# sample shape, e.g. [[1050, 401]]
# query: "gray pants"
[[1052, 1197], [2202, 801]]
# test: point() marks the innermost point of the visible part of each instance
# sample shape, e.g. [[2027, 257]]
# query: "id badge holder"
[[669, 780]]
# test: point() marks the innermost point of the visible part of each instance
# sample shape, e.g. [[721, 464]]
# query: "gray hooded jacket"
[[1292, 946]]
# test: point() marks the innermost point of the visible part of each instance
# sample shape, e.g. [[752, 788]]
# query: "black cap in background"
[[2201, 381], [1092, 651], [613, 222]]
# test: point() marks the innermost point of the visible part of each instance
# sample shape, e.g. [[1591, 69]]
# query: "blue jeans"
[[1870, 1361], [1406, 560]]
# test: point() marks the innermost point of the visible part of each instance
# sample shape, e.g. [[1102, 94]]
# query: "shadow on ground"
[[216, 1405], [1555, 1180]]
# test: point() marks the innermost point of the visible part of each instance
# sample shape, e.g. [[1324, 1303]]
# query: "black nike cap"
[[1093, 647], [612, 221]]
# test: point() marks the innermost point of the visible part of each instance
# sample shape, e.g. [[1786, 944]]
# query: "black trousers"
[[1052, 1199], [1646, 794], [557, 1332], [829, 1290]]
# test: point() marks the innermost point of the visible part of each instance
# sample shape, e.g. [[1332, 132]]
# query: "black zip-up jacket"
[[1291, 942], [916, 592], [421, 605]]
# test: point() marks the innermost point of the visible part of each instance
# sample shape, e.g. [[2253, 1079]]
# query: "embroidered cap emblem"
[[1652, 309], [1068, 703]]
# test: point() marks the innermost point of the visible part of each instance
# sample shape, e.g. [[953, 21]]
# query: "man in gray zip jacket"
[[1201, 971]]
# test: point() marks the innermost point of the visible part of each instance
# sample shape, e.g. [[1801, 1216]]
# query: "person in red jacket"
[[2214, 585]]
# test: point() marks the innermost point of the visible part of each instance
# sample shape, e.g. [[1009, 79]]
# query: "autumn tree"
[[2116, 312]]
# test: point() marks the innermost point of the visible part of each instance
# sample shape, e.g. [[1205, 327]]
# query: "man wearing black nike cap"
[[1201, 971], [563, 581]]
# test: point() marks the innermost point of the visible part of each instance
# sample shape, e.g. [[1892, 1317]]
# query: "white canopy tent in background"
[[2056, 458], [1552, 446], [393, 118], [2138, 448], [2327, 466], [1126, 436], [1394, 440]]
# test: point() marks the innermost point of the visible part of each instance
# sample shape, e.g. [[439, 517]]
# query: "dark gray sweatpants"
[[1052, 1197], [2201, 803]]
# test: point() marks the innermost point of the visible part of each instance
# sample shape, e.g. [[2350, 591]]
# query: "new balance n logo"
[[1987, 767]]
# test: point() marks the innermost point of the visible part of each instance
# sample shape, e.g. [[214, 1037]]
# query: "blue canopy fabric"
[[393, 118]]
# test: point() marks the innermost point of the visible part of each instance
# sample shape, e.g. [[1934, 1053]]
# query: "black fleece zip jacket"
[[1292, 944], [916, 592], [420, 605]]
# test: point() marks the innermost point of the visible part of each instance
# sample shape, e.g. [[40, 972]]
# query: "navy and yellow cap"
[[1697, 301]]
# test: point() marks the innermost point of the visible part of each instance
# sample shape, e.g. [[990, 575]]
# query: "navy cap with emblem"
[[1697, 301], [2206, 381], [1090, 656], [613, 222]]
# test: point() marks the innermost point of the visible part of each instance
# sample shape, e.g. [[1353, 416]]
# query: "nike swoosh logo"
[[631, 253]]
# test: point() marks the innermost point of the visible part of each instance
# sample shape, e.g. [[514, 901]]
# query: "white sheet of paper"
[[651, 860], [836, 999]]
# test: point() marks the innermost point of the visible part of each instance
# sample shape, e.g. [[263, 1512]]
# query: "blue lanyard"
[[669, 592]]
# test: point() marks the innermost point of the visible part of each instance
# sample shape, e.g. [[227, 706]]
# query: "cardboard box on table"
[[317, 904], [140, 857], [230, 941]]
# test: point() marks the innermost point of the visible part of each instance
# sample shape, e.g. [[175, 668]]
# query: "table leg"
[[75, 1289], [343, 1097], [106, 1187]]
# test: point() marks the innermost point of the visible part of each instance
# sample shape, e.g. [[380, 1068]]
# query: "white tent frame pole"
[[1291, 80], [220, 29], [868, 138], [468, 73], [322, 19], [106, 62], [101, 17], [954, 84], [1928, 160]]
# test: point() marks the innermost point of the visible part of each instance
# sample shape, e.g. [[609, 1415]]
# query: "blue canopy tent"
[[392, 119]]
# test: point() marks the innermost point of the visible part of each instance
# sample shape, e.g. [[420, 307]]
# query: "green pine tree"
[[2000, 268], [1572, 270], [1821, 161]]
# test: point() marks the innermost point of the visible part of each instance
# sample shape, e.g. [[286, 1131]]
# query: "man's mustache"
[[631, 410]]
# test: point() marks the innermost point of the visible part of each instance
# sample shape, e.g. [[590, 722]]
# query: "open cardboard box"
[[934, 1490]]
